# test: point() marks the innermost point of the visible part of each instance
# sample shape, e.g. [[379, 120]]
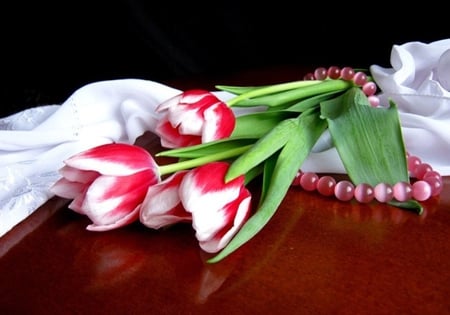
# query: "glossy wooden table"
[[316, 256]]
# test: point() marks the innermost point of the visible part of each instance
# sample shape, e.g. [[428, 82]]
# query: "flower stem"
[[272, 89], [187, 164]]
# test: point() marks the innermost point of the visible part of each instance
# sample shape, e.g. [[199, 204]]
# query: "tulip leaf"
[[208, 148], [262, 149], [310, 102], [305, 132], [369, 140], [266, 121], [269, 167], [238, 90], [292, 95]]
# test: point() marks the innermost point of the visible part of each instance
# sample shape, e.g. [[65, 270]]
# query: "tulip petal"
[[110, 198], [172, 138], [219, 122], [218, 209], [77, 204], [75, 175], [67, 189], [125, 220], [236, 213], [187, 118], [162, 205], [199, 189], [115, 159], [173, 101]]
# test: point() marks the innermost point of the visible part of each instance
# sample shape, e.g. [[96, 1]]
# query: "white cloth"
[[419, 83], [34, 143]]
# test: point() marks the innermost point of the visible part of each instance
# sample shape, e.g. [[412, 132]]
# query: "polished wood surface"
[[315, 256]]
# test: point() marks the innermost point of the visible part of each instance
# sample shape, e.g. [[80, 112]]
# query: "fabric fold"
[[418, 83]]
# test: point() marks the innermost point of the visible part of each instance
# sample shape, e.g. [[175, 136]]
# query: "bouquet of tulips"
[[219, 153]]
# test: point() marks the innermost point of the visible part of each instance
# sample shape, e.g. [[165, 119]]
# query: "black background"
[[51, 49]]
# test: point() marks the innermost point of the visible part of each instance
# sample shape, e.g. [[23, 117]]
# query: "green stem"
[[272, 89], [183, 165], [291, 94]]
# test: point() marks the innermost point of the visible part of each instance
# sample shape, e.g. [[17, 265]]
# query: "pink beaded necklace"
[[428, 182]]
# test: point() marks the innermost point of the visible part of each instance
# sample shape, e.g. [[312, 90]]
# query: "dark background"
[[51, 49]]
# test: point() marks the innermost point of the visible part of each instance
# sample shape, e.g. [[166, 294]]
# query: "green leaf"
[[291, 95], [310, 102], [369, 140], [262, 149], [266, 121], [208, 148], [238, 90], [269, 168], [307, 130]]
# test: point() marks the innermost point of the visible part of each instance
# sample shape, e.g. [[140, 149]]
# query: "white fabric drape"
[[35, 142]]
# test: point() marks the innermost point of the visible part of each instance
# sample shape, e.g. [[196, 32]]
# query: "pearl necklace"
[[428, 182]]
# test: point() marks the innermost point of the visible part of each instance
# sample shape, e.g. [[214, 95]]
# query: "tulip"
[[162, 205], [218, 209], [108, 183], [193, 117]]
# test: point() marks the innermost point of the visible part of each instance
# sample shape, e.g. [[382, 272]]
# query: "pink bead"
[[344, 190], [413, 162], [432, 174], [360, 78], [325, 185], [320, 73], [308, 181], [334, 72], [402, 191], [364, 193], [383, 192], [421, 169], [435, 184], [421, 190], [369, 88], [374, 101], [347, 73], [309, 76]]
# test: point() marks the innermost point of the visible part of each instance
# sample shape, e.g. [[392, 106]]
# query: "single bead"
[[364, 193], [421, 190], [432, 174], [344, 190], [320, 73], [421, 170], [374, 101], [308, 181], [360, 78], [435, 184], [325, 185], [309, 76], [347, 73], [413, 162], [383, 192], [369, 88], [402, 191], [334, 72]]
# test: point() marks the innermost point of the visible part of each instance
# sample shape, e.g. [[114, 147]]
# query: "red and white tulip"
[[108, 183], [218, 209], [194, 117], [162, 205]]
